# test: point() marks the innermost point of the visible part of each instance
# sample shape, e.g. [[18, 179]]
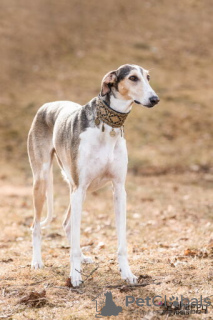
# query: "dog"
[[88, 142]]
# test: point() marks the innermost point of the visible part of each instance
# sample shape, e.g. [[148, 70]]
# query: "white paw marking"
[[129, 277], [76, 279], [37, 265]]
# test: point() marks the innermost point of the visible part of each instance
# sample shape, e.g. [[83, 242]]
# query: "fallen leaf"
[[88, 243], [144, 277], [181, 258], [65, 247], [189, 252], [164, 246], [138, 249], [54, 235], [68, 283], [7, 260], [34, 299], [196, 253]]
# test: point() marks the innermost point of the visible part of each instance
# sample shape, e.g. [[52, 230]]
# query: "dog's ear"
[[107, 82]]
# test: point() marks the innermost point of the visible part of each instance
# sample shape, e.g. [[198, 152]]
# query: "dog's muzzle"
[[153, 101]]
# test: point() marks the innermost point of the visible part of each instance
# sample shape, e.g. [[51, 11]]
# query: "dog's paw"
[[76, 279], [132, 279], [37, 265], [85, 259], [129, 276]]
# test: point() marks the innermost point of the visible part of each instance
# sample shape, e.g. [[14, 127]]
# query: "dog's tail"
[[49, 196]]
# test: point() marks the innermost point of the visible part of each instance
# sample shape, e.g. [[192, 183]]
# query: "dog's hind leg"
[[49, 193], [40, 155], [42, 189], [39, 190]]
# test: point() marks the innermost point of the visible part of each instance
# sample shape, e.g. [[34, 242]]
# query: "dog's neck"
[[120, 105]]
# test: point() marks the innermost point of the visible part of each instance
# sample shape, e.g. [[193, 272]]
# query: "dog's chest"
[[98, 152]]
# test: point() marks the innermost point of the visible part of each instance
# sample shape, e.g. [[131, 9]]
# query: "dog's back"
[[40, 138]]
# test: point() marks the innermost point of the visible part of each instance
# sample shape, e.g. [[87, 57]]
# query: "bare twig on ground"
[[127, 286], [89, 275]]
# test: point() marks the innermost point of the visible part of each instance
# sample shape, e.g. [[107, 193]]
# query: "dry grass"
[[166, 216], [54, 50]]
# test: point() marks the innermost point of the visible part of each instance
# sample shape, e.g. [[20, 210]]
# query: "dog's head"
[[130, 82]]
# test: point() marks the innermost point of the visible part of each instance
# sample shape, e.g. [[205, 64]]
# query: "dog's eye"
[[148, 77], [133, 78]]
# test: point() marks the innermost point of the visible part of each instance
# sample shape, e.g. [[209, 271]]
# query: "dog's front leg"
[[75, 255], [67, 228], [120, 215]]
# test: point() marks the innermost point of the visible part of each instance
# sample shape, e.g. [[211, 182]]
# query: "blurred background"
[[60, 50]]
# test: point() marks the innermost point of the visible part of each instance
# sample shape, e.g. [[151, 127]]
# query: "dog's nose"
[[154, 100]]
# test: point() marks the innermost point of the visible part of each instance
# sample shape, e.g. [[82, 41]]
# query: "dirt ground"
[[170, 248]]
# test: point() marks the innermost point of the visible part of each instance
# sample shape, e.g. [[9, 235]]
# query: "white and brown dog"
[[89, 145]]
